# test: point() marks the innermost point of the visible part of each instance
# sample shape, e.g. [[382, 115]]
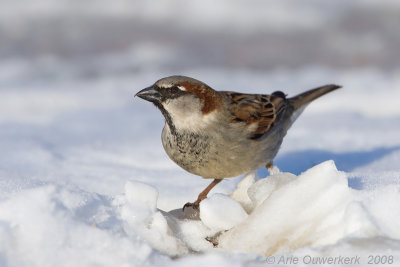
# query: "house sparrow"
[[222, 134]]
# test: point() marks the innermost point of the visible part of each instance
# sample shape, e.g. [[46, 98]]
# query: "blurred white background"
[[94, 38]]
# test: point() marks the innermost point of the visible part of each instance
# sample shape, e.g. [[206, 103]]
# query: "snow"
[[219, 212], [89, 183], [84, 180], [137, 210], [38, 228], [313, 209]]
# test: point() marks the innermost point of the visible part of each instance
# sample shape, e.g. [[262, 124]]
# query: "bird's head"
[[184, 101]]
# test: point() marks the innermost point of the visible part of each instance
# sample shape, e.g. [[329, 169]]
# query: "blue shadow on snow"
[[300, 161]]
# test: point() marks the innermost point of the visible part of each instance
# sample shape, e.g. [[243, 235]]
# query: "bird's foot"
[[272, 169], [203, 195], [194, 205]]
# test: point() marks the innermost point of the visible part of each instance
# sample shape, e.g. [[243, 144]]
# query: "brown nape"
[[209, 97], [202, 195]]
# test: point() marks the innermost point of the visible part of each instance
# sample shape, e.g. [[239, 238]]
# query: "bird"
[[223, 134]]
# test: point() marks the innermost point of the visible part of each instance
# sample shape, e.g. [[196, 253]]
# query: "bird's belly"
[[204, 156], [190, 151]]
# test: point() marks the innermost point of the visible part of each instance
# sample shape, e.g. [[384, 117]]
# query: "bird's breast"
[[190, 151]]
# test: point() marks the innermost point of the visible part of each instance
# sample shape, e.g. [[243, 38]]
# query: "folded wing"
[[261, 110]]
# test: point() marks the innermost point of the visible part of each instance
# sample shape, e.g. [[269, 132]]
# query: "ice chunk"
[[262, 189], [220, 212], [308, 210], [240, 194], [194, 234], [141, 218]]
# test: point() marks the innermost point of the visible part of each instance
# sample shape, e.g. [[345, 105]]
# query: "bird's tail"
[[301, 100]]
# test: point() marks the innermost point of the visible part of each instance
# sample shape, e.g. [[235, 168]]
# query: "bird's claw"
[[194, 205]]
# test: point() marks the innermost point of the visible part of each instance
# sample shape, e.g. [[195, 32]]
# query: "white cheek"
[[186, 113]]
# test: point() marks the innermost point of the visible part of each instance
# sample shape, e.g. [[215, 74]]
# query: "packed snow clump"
[[140, 218], [220, 212], [289, 212], [278, 214]]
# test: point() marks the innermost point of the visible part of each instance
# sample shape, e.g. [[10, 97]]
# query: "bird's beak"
[[149, 94]]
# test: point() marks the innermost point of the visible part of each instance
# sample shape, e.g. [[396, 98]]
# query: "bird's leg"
[[269, 165], [202, 195], [271, 168]]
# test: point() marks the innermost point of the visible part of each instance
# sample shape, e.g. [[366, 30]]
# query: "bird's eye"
[[176, 91], [176, 88]]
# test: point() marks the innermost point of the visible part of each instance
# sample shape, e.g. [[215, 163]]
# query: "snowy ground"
[[84, 180]]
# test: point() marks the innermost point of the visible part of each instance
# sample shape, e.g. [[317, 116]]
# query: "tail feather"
[[305, 98]]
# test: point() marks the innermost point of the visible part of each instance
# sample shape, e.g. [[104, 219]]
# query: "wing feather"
[[263, 110]]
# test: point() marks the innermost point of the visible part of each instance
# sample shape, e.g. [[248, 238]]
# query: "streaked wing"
[[256, 108]]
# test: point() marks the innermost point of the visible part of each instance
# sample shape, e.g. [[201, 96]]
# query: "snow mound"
[[50, 226], [279, 214], [316, 208]]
